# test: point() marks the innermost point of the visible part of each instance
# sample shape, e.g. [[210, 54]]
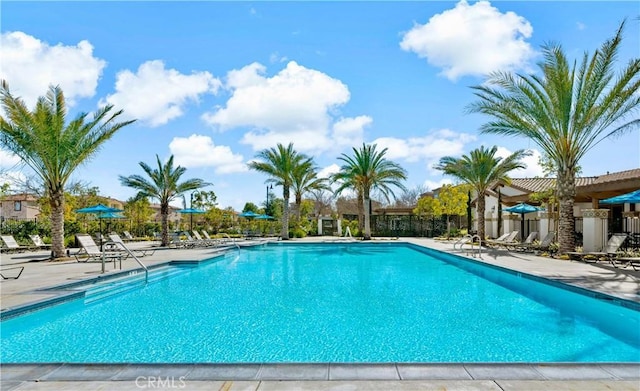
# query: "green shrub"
[[297, 233]]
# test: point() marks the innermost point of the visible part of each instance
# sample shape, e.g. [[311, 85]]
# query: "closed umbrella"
[[522, 208]]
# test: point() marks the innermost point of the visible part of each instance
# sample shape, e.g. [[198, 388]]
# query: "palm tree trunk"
[[367, 219], [56, 201], [566, 191], [298, 206], [164, 220], [360, 212], [480, 207], [284, 232]]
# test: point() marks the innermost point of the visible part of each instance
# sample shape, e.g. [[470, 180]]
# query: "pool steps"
[[132, 281]]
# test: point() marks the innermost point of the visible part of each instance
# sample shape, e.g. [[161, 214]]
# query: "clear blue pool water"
[[330, 303]]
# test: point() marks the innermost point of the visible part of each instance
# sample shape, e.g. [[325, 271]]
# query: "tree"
[[480, 169], [566, 110], [410, 197], [453, 202], [280, 164], [369, 170], [163, 184], [53, 148], [250, 207], [428, 207], [138, 210], [305, 179]]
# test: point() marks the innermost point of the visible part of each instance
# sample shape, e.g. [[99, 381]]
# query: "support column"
[[545, 224], [339, 227], [320, 226], [594, 229]]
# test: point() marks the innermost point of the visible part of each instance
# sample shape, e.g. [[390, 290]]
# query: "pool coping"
[[50, 372]]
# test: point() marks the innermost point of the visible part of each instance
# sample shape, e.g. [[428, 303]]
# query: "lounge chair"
[[11, 244], [89, 250], [628, 261], [139, 252], [12, 275], [39, 243], [608, 253], [503, 240], [544, 245], [128, 236], [519, 245]]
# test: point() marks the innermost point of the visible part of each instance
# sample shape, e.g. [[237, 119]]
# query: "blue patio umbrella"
[[630, 198], [522, 208], [101, 211], [264, 217], [248, 214]]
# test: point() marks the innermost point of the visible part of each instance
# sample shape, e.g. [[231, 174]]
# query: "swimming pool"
[[330, 303]]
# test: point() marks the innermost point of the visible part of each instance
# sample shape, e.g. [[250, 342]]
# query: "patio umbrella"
[[628, 198], [522, 209], [102, 211], [191, 212], [248, 214], [264, 217]]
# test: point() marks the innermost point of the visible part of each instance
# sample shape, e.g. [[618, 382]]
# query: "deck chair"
[[11, 244], [517, 246], [39, 243], [508, 239], [544, 244], [608, 253], [127, 236], [13, 275], [139, 252], [203, 241], [89, 250]]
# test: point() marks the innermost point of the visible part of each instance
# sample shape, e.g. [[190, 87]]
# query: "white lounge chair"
[[89, 250], [11, 244], [139, 252], [39, 243], [503, 240], [608, 253]]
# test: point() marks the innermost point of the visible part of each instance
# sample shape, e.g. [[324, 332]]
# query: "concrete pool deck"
[[39, 273]]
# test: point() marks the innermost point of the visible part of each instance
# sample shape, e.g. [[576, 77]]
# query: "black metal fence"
[[403, 226]]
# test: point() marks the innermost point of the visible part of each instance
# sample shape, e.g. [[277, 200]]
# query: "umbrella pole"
[[522, 229]]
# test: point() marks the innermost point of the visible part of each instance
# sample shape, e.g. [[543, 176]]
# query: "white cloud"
[[15, 179], [8, 159], [297, 105], [328, 171], [431, 147], [581, 26], [471, 40], [200, 151], [31, 66], [155, 95], [532, 162], [432, 185]]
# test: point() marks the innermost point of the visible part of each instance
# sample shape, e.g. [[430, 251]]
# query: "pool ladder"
[[231, 240], [470, 240]]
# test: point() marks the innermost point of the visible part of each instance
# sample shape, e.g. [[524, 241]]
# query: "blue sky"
[[213, 83]]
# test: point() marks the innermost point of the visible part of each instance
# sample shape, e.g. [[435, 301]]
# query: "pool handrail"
[[231, 239], [127, 250]]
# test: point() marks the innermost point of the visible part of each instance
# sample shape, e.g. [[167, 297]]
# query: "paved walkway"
[[40, 273]]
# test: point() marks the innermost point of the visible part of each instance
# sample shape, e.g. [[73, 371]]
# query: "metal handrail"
[[233, 241], [125, 248], [462, 241], [479, 245]]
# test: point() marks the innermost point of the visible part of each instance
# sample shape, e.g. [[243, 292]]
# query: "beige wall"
[[26, 203]]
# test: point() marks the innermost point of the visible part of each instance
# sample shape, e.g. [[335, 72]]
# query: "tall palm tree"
[[480, 169], [53, 148], [566, 110], [280, 163], [164, 185], [305, 179], [369, 170]]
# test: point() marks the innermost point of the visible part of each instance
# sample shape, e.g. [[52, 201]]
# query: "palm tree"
[[53, 148], [164, 185], [305, 179], [566, 111], [280, 163], [480, 169], [369, 170]]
